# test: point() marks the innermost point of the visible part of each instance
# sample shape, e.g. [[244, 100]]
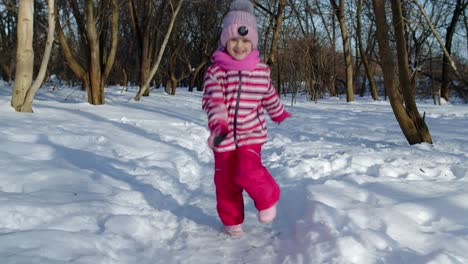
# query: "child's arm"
[[273, 105], [214, 106]]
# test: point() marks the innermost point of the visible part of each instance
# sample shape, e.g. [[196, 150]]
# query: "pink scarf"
[[227, 62]]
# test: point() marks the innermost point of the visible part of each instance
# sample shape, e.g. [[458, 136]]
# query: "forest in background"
[[308, 54], [396, 49]]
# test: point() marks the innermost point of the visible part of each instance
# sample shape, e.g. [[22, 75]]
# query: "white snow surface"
[[132, 182]]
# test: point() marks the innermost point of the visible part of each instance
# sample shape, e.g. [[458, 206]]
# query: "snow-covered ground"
[[131, 182]]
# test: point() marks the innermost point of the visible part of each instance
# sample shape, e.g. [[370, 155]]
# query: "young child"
[[238, 90]]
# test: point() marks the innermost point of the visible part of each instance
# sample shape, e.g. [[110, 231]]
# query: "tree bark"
[[24, 54], [420, 129], [76, 67], [332, 37], [97, 91], [412, 129], [8, 40], [28, 101], [365, 61], [441, 43], [7, 70], [155, 67], [339, 12], [95, 71], [276, 32], [114, 43], [448, 44], [144, 27], [194, 75]]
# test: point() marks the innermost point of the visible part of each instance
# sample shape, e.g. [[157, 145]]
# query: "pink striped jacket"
[[240, 98]]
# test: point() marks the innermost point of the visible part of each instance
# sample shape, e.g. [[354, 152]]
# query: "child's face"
[[239, 48]]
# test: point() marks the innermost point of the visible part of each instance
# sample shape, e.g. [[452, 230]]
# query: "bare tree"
[[404, 107], [305, 52], [340, 14], [204, 27], [24, 53], [100, 52], [278, 21], [304, 32], [178, 62], [147, 18], [276, 18], [332, 38], [465, 23], [8, 25], [457, 13], [365, 61], [145, 86], [23, 91], [447, 54]]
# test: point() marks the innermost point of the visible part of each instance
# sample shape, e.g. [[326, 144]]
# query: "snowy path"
[[131, 182]]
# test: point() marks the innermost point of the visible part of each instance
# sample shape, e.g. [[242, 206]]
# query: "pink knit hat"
[[240, 22]]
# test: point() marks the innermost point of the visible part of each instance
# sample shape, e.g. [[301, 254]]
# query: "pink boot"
[[234, 230], [267, 215]]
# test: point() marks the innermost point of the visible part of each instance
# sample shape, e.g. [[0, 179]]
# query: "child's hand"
[[218, 135], [282, 117]]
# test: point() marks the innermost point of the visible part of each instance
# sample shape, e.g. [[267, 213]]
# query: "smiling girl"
[[237, 92]]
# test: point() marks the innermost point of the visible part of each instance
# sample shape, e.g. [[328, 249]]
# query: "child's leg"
[[230, 204], [255, 178]]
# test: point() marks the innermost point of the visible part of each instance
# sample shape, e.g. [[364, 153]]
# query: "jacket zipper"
[[237, 109], [259, 121]]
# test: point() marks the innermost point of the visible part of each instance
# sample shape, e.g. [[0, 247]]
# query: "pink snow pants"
[[239, 170]]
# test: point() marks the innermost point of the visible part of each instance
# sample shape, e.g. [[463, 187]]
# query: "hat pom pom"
[[242, 5]]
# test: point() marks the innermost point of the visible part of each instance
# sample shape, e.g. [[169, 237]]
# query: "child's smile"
[[239, 48]]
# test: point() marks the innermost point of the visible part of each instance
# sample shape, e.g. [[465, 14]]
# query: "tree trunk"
[[27, 105], [145, 86], [439, 39], [276, 32], [24, 54], [8, 70], [332, 81], [124, 78], [173, 84], [420, 128], [194, 75], [365, 61], [465, 23], [172, 79], [332, 38], [408, 120], [339, 12], [99, 61], [77, 69], [146, 58], [448, 44], [435, 92], [167, 88], [97, 92], [109, 63], [148, 39]]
